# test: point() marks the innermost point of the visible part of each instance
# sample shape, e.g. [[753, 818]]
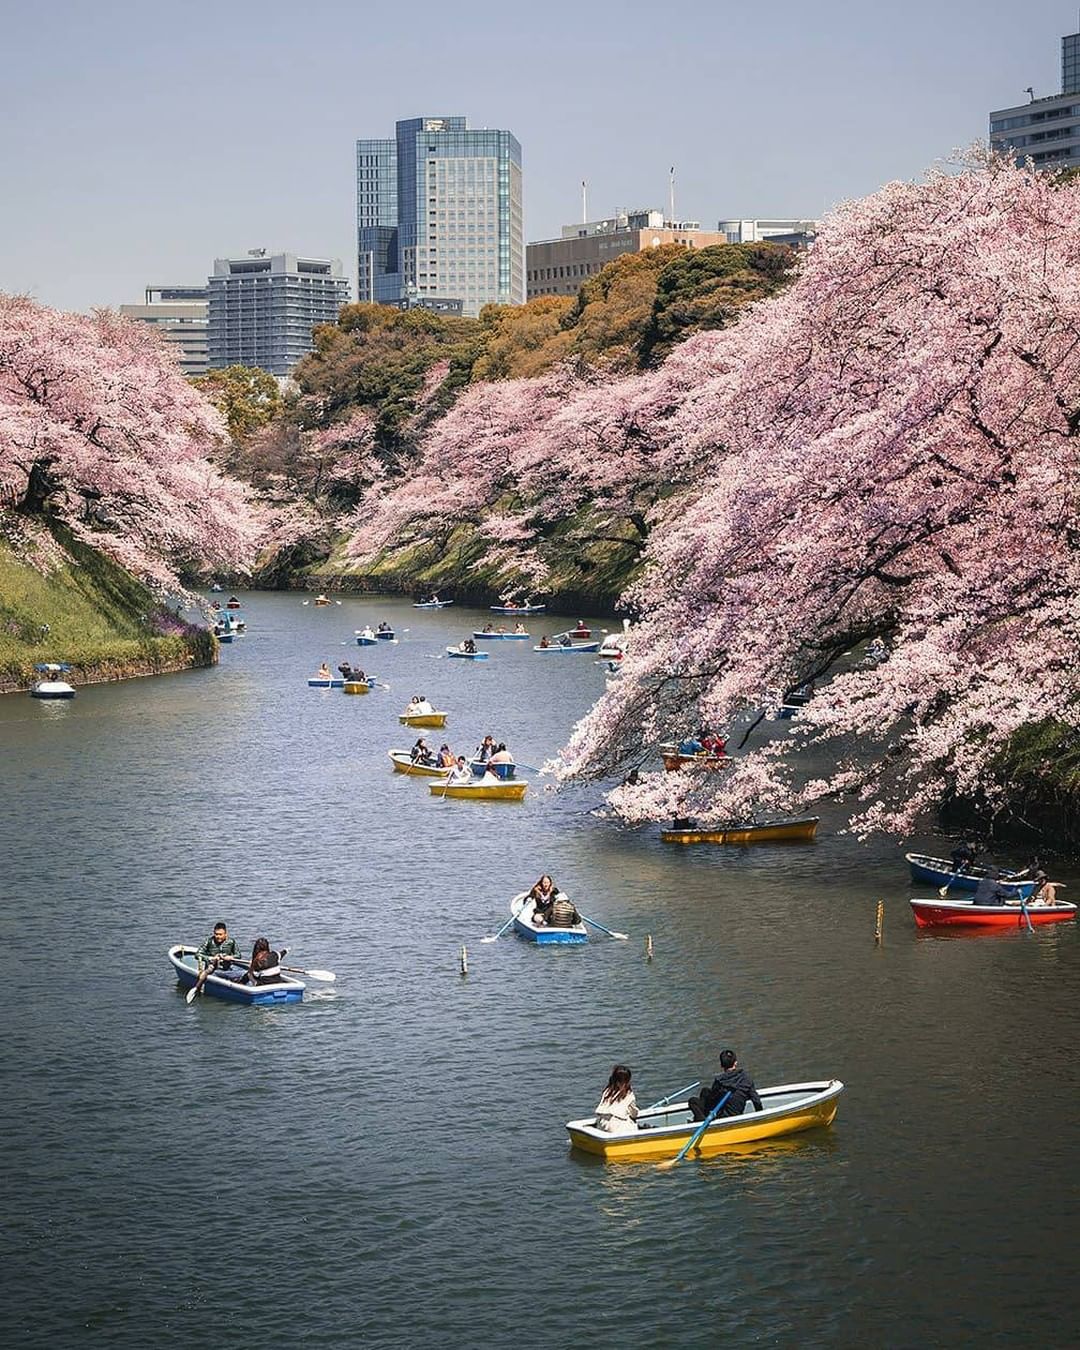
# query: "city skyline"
[[145, 147]]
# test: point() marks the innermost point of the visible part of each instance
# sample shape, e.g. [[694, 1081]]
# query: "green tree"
[[248, 397]]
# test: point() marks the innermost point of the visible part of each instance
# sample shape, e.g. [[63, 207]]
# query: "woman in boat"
[[543, 897], [713, 744], [501, 756], [545, 641], [485, 749], [324, 672], [617, 1111], [519, 627], [489, 628], [414, 706], [265, 965], [446, 759], [421, 754]]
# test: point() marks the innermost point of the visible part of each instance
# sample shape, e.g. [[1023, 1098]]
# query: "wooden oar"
[[673, 1162], [621, 937]]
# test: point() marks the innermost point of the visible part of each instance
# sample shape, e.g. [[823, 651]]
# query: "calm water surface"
[[386, 1164]]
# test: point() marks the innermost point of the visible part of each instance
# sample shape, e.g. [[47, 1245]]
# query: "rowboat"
[[432, 604], [360, 686], [517, 609], [939, 913], [939, 872], [50, 686], [466, 656], [614, 645], [566, 648], [320, 601], [662, 1131], [218, 985], [365, 637], [233, 603], [522, 907], [484, 791], [403, 764], [227, 635], [502, 637], [431, 719], [794, 703], [773, 832], [385, 635], [674, 759], [480, 767], [316, 683]]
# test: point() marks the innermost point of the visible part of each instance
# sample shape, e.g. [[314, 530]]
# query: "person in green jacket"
[[215, 953]]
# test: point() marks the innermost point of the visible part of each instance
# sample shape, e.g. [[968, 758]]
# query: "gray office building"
[[263, 308], [439, 217], [1045, 131], [179, 315]]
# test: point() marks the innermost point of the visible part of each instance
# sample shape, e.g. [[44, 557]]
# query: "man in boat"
[[690, 746], [461, 773], [345, 670], [519, 627], [469, 646], [731, 1079], [963, 856], [215, 953], [988, 891], [562, 913], [422, 705], [489, 628]]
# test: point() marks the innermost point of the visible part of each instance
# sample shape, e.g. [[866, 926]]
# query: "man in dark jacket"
[[988, 891], [732, 1079]]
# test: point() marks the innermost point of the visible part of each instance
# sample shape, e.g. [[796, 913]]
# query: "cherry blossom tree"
[[888, 449], [99, 431]]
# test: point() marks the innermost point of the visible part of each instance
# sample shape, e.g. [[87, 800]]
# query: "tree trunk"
[[40, 486]]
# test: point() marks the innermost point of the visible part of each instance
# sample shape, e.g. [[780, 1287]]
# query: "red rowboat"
[[939, 913]]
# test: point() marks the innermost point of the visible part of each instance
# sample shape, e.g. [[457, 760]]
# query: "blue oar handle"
[[674, 1096], [701, 1128]]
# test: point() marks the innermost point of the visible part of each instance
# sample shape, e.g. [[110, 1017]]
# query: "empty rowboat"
[[225, 984], [660, 1132], [487, 790], [522, 907], [939, 872], [776, 831], [939, 913], [403, 764]]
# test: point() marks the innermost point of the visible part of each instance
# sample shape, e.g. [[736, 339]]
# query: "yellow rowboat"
[[774, 832], [403, 764], [491, 791], [356, 686], [661, 1131], [431, 719]]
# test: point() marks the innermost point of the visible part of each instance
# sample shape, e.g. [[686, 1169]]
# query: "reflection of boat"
[[431, 719], [521, 907], [319, 682], [965, 913], [773, 831], [50, 685], [466, 656], [402, 763], [219, 985], [674, 759], [940, 873], [502, 637], [486, 790], [662, 1131], [517, 609], [568, 648], [432, 604]]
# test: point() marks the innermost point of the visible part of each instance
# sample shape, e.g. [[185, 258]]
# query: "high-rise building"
[[794, 233], [439, 216], [1045, 131], [263, 308], [180, 315]]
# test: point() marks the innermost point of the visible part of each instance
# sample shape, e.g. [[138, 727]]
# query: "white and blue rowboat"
[[365, 637], [569, 648], [316, 683], [385, 635], [226, 635], [517, 609], [467, 656], [522, 906], [225, 985], [481, 766], [50, 686], [939, 872], [501, 637], [432, 604]]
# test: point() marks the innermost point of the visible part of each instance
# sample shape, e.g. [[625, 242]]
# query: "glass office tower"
[[439, 216]]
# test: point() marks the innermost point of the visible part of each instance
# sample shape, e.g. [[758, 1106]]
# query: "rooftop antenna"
[[584, 201], [1030, 93], [671, 193]]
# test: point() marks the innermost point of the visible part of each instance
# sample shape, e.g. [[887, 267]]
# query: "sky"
[[143, 139]]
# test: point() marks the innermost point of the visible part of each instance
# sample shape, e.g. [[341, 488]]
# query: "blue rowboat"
[[218, 985], [365, 639], [225, 637], [569, 648], [466, 656], [432, 604], [939, 872], [517, 609], [521, 907], [502, 637], [316, 683], [481, 766], [385, 635]]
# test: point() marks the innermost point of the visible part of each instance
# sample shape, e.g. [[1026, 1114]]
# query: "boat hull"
[[49, 689], [403, 764], [674, 759], [434, 719], [521, 907], [481, 792], [466, 656], [517, 609], [433, 604], [365, 641], [779, 831], [385, 637], [480, 767], [573, 649], [501, 637], [184, 964], [939, 873], [789, 1109], [326, 684], [358, 686], [966, 914]]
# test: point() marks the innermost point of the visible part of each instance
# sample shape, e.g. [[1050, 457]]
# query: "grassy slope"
[[95, 616]]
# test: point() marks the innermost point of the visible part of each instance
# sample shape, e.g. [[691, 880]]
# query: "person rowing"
[[215, 954], [461, 773], [421, 753]]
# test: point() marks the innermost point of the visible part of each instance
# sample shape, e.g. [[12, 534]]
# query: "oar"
[[674, 1096], [622, 937], [1027, 916], [505, 926], [327, 975], [673, 1162], [204, 974]]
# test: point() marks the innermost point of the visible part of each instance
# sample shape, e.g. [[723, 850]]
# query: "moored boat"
[[940, 913], [774, 831], [220, 985], [522, 907], [50, 686], [431, 719], [463, 655], [939, 872], [402, 763], [662, 1131], [481, 790]]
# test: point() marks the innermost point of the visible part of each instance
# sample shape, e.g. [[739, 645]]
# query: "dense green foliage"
[[246, 397]]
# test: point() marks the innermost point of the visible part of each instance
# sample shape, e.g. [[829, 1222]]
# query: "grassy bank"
[[88, 613]]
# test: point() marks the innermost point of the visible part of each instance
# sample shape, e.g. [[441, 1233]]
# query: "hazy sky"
[[141, 139]]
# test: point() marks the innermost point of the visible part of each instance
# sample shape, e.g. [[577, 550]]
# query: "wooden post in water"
[[648, 946], [464, 960], [880, 921]]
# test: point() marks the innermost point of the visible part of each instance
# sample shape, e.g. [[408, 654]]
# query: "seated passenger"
[[469, 646], [963, 856], [543, 897], [346, 671], [690, 746], [489, 628], [324, 672], [265, 966], [485, 749], [545, 641], [421, 753], [423, 706], [617, 1110], [562, 913], [519, 627], [989, 892], [446, 759]]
